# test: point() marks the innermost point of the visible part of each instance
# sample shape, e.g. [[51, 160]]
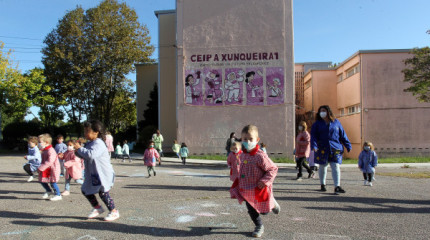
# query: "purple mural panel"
[[233, 85], [275, 85], [214, 90], [193, 87], [254, 86]]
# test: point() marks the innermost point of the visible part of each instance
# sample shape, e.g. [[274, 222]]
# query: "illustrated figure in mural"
[[233, 85], [275, 91], [215, 91], [190, 84], [255, 89]]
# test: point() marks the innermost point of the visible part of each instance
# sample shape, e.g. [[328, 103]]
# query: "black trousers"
[[184, 159], [255, 216], [301, 163], [28, 169], [368, 176]]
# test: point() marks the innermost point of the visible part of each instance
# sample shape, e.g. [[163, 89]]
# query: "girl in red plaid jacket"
[[256, 176]]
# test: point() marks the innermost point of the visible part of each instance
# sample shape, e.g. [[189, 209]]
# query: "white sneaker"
[[370, 184], [95, 212], [46, 195], [30, 179], [365, 182], [113, 215], [56, 198]]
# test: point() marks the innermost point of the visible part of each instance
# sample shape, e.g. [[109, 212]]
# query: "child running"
[[367, 161], [125, 151], [118, 151], [49, 169], [73, 166], [33, 158], [150, 157], [184, 153], [99, 173], [256, 176], [60, 147], [176, 148]]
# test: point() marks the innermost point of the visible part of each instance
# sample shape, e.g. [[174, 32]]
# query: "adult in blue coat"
[[327, 140]]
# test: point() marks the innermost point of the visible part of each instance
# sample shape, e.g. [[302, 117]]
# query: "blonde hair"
[[304, 125], [366, 143], [33, 139], [236, 144], [45, 138], [250, 128]]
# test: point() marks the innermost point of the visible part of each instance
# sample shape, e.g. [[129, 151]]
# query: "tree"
[[88, 55], [123, 113], [417, 72], [150, 114]]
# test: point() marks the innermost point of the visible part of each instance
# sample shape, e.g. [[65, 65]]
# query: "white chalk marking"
[[209, 204], [205, 214], [185, 218], [16, 232], [87, 237]]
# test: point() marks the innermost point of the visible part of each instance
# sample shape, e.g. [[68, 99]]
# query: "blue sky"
[[324, 30]]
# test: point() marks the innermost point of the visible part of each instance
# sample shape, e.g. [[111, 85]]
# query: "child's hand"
[[61, 155], [25, 157], [77, 145], [261, 185]]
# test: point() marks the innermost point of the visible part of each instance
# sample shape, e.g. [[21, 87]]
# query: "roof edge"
[[164, 12]]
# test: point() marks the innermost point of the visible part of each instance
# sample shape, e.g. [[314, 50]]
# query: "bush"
[[16, 133], [145, 135]]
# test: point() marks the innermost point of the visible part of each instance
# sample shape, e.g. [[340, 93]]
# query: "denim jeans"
[[335, 173], [53, 185]]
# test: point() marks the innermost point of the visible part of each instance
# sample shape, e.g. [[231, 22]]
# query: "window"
[[341, 112], [340, 77], [354, 109], [353, 71]]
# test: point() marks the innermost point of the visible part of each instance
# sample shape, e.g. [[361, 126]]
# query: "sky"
[[324, 30]]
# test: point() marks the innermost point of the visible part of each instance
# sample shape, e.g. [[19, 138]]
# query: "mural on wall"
[[234, 78], [214, 91], [193, 87], [244, 79], [275, 85]]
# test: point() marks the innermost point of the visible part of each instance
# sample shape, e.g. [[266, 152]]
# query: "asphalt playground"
[[192, 202]]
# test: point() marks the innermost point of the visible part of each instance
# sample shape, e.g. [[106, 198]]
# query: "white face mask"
[[70, 148], [236, 151], [323, 114], [41, 146], [300, 128]]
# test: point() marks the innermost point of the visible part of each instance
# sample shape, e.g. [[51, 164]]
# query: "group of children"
[[122, 152], [77, 155]]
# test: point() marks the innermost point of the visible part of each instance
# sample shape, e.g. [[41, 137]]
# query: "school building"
[[365, 92], [222, 65], [221, 68]]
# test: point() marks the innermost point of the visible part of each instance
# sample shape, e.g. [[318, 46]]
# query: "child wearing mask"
[[73, 166], [367, 161], [256, 175], [150, 157], [33, 158]]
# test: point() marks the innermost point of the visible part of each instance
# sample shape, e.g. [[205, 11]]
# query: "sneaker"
[[323, 188], [370, 184], [299, 179], [311, 175], [155, 174], [65, 193], [56, 198], [95, 212], [30, 179], [61, 175], [46, 195], [365, 183], [159, 163], [277, 208], [338, 189], [258, 231], [113, 215]]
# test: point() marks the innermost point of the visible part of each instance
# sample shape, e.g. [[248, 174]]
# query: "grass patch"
[[406, 174], [345, 161]]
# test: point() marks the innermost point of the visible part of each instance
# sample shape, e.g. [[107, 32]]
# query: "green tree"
[[417, 72], [123, 113], [88, 55]]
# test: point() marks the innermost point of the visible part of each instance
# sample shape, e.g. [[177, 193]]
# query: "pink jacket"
[[109, 143], [49, 170], [303, 146], [73, 165], [150, 156]]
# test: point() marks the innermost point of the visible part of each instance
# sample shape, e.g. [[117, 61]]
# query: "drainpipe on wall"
[[361, 102]]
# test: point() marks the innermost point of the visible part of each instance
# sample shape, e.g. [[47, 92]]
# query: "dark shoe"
[[277, 208], [159, 163], [155, 174], [338, 189], [323, 188], [311, 175], [258, 231]]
